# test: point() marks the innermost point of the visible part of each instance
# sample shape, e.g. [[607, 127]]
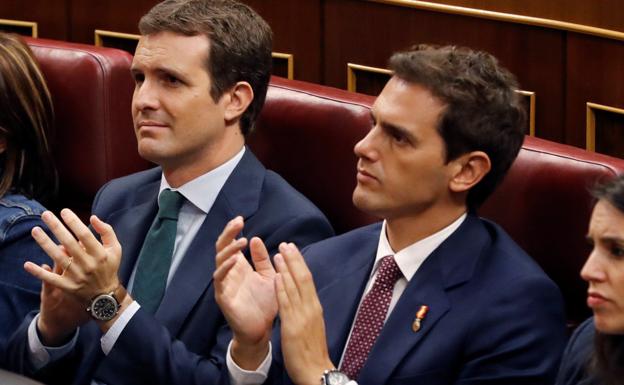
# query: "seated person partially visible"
[[595, 353], [433, 294], [26, 174], [201, 72]]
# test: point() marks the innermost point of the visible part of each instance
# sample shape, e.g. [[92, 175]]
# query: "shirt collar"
[[203, 190], [411, 257]]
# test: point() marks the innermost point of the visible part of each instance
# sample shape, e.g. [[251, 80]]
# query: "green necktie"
[[155, 256]]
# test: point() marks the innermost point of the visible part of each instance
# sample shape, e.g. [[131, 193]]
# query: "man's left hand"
[[304, 345]]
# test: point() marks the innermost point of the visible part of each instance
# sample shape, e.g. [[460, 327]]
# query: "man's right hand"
[[60, 313], [246, 296]]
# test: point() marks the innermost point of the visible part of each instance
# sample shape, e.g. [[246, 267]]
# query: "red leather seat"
[[94, 139], [545, 205], [306, 132]]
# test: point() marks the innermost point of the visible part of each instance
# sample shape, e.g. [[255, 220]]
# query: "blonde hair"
[[26, 117]]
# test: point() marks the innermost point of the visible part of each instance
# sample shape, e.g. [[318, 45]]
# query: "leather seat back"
[[94, 138]]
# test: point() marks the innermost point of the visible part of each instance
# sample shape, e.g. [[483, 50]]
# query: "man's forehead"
[[407, 104], [167, 42], [394, 92], [171, 49]]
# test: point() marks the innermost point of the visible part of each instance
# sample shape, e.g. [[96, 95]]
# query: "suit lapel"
[[340, 309], [450, 265], [131, 226], [397, 337], [239, 196], [341, 297]]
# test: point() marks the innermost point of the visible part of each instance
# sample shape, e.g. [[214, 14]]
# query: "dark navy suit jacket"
[[494, 316], [575, 367], [185, 341]]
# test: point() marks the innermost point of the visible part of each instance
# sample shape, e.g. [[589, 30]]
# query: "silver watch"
[[334, 377], [104, 307]]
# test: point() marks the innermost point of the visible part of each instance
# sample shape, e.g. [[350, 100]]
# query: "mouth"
[[150, 123], [364, 176], [595, 299]]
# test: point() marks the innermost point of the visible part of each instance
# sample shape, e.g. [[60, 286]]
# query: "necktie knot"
[[169, 203], [388, 272]]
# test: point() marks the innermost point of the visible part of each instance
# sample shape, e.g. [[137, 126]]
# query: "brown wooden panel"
[[610, 133], [534, 54], [112, 40], [280, 67], [371, 83], [111, 15], [50, 15], [595, 74], [368, 82], [528, 102], [29, 31], [607, 14], [296, 28]]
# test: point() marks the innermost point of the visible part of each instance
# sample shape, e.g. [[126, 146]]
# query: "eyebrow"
[[160, 70], [394, 129], [611, 239]]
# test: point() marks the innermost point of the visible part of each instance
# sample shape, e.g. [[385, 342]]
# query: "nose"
[[145, 96], [366, 148], [593, 270]]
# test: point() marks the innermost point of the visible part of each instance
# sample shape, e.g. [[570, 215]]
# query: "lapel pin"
[[420, 315]]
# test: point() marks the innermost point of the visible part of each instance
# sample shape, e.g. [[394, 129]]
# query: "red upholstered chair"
[[544, 204], [306, 133], [94, 140]]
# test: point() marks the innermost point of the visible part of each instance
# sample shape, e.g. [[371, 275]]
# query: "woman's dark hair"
[[608, 360], [26, 117]]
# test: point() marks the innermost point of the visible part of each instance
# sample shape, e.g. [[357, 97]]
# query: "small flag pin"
[[420, 316]]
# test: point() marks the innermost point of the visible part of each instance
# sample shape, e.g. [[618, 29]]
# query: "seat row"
[[306, 132]]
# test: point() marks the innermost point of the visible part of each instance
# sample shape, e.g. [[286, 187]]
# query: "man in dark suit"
[[201, 69], [433, 294]]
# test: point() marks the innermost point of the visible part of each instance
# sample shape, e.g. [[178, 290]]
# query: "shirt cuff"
[[108, 340], [239, 376], [40, 355]]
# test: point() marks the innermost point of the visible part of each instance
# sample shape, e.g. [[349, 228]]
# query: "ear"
[[468, 170], [238, 99]]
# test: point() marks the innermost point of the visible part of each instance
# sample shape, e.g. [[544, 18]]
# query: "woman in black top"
[[595, 353]]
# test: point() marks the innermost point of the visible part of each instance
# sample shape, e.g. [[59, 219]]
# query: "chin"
[[609, 325], [150, 154], [361, 200], [367, 205]]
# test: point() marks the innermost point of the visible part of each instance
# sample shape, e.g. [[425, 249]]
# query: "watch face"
[[336, 378], [104, 307]]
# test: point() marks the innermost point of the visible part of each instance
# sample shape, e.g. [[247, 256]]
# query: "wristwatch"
[[334, 377], [104, 307]]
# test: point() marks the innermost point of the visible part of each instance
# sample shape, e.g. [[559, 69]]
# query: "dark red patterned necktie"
[[370, 317]]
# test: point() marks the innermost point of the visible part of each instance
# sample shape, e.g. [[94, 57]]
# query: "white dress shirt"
[[408, 260], [200, 194]]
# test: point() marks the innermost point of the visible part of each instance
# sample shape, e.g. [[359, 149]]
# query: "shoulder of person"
[[577, 356], [18, 212]]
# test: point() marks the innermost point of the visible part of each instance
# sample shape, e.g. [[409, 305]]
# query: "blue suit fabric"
[[494, 316], [185, 341], [577, 357]]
